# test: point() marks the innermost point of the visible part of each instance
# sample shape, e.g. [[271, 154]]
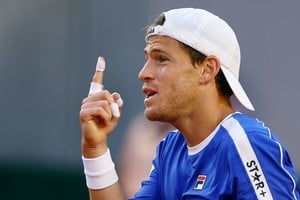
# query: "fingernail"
[[100, 64]]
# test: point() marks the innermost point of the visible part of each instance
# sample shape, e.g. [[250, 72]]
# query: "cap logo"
[[152, 30]]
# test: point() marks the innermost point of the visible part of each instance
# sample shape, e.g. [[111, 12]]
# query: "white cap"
[[210, 35]]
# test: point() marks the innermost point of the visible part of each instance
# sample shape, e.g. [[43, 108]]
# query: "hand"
[[98, 115]]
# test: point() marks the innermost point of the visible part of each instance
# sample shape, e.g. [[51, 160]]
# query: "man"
[[191, 81]]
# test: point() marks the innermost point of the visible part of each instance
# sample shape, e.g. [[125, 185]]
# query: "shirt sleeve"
[[273, 169]]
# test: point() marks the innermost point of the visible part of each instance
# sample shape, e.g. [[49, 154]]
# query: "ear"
[[209, 68]]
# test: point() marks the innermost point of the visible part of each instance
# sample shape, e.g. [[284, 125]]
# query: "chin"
[[153, 115]]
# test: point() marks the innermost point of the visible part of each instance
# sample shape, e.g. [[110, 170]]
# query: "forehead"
[[161, 43]]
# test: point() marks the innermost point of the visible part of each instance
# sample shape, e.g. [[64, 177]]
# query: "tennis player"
[[190, 79]]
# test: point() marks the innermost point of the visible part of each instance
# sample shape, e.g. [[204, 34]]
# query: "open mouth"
[[148, 92]]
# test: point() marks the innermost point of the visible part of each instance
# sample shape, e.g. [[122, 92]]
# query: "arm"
[[98, 118]]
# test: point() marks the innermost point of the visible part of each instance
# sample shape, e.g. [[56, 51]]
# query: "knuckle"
[[106, 93]]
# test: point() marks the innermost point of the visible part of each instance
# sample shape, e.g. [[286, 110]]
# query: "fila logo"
[[200, 182]]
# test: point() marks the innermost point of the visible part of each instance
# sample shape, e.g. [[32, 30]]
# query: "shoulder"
[[265, 159], [173, 138], [251, 137], [171, 146], [241, 127]]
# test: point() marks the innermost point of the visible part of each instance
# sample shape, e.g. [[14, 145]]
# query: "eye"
[[162, 60]]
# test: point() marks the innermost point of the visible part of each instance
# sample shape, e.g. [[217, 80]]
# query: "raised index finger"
[[97, 82]]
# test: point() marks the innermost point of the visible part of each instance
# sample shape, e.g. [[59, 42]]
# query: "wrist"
[[100, 171], [93, 151]]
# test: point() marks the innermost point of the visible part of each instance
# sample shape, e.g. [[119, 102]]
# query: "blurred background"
[[48, 53]]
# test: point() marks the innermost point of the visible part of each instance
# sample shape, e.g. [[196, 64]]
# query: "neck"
[[202, 122]]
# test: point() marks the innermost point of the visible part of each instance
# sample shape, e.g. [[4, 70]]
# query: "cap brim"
[[239, 100]]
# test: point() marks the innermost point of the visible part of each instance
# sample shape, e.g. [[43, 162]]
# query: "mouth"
[[149, 92]]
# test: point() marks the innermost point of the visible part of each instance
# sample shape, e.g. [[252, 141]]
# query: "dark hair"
[[196, 56]]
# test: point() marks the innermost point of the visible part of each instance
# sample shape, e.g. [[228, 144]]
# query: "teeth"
[[149, 95]]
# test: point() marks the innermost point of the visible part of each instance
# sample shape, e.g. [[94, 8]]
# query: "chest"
[[202, 176]]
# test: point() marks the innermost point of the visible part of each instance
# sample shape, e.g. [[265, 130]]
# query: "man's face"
[[170, 80]]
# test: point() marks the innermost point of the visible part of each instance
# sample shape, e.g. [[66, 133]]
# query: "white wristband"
[[99, 172]]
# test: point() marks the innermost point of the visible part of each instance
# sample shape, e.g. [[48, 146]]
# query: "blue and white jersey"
[[241, 159]]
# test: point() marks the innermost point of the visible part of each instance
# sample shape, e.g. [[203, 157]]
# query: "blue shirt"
[[240, 159]]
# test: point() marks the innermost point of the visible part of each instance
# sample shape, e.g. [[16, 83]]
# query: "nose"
[[146, 73]]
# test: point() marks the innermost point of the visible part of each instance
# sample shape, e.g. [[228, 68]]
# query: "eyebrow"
[[147, 50]]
